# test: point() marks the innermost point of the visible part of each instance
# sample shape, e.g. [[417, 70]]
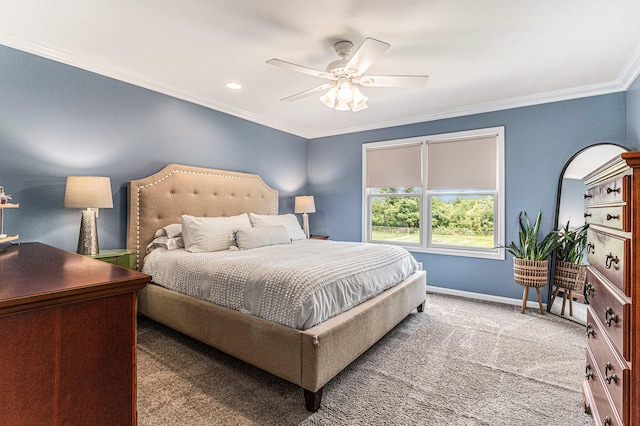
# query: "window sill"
[[493, 255], [498, 254]]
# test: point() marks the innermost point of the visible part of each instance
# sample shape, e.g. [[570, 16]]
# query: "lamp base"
[[88, 239], [305, 224]]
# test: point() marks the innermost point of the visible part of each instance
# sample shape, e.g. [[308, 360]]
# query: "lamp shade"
[[88, 192], [305, 204]]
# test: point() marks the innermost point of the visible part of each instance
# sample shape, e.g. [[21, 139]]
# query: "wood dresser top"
[[35, 275]]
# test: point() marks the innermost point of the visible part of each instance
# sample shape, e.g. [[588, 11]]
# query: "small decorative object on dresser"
[[4, 198], [4, 238], [611, 390]]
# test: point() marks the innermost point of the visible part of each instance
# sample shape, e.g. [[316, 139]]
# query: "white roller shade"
[[462, 164], [394, 167]]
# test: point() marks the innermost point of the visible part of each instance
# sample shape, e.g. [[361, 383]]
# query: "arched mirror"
[[570, 208]]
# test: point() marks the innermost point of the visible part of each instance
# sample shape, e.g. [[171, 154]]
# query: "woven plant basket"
[[530, 273], [569, 275]]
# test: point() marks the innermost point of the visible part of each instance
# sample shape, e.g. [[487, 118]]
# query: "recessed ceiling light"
[[233, 85]]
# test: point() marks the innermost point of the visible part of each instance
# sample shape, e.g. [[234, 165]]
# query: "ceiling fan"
[[346, 73]]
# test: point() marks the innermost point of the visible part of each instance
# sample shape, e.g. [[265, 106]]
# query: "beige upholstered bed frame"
[[307, 358]]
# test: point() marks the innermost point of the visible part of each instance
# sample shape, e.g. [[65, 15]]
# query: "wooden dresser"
[[611, 390], [67, 338]]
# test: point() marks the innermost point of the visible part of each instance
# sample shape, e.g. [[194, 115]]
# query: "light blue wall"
[[56, 120], [538, 139], [633, 114]]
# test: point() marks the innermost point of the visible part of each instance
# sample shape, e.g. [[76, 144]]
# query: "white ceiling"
[[481, 55]]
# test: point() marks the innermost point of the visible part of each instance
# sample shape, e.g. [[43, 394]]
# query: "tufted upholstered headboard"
[[160, 199]]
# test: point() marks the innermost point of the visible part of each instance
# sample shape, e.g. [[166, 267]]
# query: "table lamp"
[[305, 204], [90, 193]]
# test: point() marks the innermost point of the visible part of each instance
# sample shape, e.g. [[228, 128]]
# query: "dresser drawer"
[[613, 191], [610, 254], [612, 369], [613, 309], [616, 217], [602, 407]]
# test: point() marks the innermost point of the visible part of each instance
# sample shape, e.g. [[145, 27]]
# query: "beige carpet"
[[461, 362]]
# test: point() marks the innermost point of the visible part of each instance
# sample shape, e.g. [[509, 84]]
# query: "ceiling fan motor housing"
[[343, 48], [337, 67]]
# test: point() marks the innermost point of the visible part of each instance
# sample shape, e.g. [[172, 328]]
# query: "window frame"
[[369, 208], [425, 245]]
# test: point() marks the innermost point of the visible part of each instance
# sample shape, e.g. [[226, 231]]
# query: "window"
[[437, 194]]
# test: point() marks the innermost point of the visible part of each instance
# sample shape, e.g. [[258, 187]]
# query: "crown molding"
[[49, 52], [631, 69], [626, 77], [538, 99]]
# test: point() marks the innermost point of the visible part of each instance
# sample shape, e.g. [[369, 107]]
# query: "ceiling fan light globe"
[[345, 92], [358, 96], [359, 101], [342, 106], [329, 98], [358, 107]]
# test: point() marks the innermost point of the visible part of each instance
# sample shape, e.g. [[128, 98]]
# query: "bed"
[[308, 358]]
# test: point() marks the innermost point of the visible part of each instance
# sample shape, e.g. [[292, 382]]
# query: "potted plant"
[[531, 256], [573, 243], [570, 273]]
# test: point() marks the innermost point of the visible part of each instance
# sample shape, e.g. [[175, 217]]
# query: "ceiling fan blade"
[[414, 81], [367, 53], [299, 68], [306, 93]]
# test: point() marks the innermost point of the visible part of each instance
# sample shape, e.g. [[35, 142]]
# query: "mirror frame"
[[557, 213]]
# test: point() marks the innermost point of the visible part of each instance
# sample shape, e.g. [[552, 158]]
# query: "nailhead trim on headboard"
[[267, 195]]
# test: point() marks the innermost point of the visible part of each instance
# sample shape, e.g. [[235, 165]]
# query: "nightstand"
[[319, 237], [119, 257]]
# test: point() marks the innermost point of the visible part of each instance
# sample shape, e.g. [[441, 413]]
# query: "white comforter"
[[298, 285]]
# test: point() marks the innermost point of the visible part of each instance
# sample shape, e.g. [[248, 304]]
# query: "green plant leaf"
[[528, 246]]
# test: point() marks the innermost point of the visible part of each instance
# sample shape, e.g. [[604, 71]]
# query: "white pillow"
[[248, 238], [170, 231], [289, 221], [166, 242], [203, 234]]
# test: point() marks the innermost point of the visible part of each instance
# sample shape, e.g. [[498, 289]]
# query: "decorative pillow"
[[203, 234], [248, 238], [166, 242], [289, 221], [170, 231]]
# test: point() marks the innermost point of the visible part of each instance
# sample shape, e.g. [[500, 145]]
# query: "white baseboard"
[[486, 297]]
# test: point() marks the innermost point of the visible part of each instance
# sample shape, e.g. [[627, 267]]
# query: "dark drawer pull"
[[591, 248], [589, 289], [587, 215], [611, 259], [590, 331], [588, 374], [587, 196], [608, 378], [616, 217], [610, 316], [610, 190]]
